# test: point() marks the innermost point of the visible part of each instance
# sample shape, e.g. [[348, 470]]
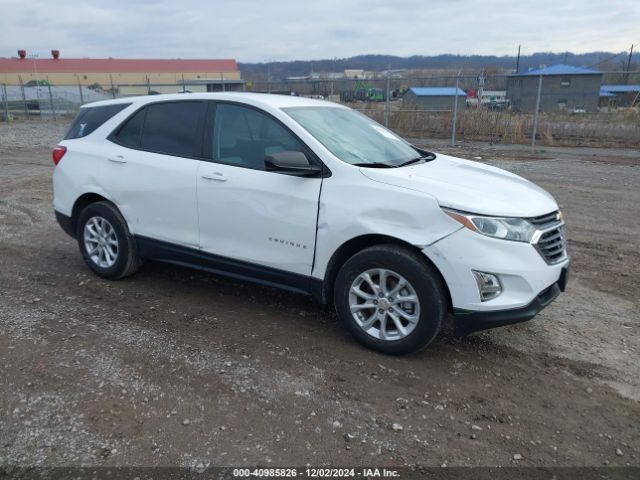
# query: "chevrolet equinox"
[[313, 197]]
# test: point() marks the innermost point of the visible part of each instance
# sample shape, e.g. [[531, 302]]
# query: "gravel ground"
[[177, 367]]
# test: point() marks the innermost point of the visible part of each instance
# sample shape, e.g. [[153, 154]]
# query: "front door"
[[246, 213]]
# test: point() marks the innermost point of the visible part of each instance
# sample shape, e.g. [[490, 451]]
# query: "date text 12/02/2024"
[[310, 472]]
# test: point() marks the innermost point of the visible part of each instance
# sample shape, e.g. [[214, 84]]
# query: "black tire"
[[127, 261], [422, 276]]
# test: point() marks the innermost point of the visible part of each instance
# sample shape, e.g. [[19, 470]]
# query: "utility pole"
[[518, 60], [455, 112], [386, 104], [535, 117], [626, 75], [481, 78], [269, 77], [5, 103]]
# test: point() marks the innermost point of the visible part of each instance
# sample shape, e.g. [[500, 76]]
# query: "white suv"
[[315, 198]]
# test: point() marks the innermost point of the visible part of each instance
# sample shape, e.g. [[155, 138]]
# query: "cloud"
[[252, 30]]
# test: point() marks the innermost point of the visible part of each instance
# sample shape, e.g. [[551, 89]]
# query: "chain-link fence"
[[45, 100], [548, 110]]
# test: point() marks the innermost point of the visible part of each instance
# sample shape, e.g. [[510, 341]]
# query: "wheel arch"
[[357, 244], [82, 202]]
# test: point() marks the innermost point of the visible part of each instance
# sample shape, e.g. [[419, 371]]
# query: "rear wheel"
[[390, 299], [105, 242]]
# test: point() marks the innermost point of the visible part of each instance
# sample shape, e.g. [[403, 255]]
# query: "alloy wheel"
[[101, 242], [384, 304]]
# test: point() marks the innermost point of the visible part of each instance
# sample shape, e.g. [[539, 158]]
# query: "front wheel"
[[390, 299]]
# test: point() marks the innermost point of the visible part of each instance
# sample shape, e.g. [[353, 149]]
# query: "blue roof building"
[[437, 99], [564, 88], [620, 88], [437, 91], [619, 95], [559, 69]]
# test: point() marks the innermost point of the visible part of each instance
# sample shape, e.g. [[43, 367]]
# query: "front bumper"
[[468, 321], [529, 283]]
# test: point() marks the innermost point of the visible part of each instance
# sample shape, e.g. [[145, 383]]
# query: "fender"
[[350, 209]]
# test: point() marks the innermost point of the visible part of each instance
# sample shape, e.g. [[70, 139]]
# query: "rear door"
[[151, 170], [247, 213]]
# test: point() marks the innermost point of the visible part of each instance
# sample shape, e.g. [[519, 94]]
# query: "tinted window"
[[245, 137], [172, 128], [90, 118], [129, 133]]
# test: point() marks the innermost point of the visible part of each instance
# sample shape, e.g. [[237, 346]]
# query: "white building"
[[493, 96]]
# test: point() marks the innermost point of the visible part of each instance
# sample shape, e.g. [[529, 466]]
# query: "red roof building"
[[115, 71]]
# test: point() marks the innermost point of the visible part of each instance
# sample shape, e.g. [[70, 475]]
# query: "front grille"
[[544, 221], [552, 242], [552, 245]]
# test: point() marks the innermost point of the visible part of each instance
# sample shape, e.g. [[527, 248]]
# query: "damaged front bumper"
[[469, 321]]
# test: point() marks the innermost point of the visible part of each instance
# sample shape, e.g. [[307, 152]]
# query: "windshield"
[[353, 137]]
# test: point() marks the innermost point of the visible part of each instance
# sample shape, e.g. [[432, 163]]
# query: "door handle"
[[117, 159], [217, 176]]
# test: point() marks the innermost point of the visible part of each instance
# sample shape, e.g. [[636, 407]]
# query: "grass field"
[[603, 129]]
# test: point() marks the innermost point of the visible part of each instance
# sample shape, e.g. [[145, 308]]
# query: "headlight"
[[516, 229]]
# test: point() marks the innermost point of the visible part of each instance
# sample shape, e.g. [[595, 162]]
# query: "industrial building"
[[435, 99], [129, 76], [619, 95], [564, 88]]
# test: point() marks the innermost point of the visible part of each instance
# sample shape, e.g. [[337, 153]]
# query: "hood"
[[469, 186]]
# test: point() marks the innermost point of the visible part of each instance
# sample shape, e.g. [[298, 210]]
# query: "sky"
[[278, 30]]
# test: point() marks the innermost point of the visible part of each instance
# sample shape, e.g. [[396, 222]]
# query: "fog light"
[[488, 284]]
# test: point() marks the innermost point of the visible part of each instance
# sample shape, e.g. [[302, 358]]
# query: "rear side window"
[[173, 128], [90, 118], [130, 133]]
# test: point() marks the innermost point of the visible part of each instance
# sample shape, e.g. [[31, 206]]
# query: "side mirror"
[[291, 163]]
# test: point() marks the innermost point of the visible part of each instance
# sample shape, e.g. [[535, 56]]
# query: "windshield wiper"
[[374, 165], [415, 160], [424, 155]]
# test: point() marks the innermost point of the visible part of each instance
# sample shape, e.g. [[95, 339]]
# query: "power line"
[[613, 56]]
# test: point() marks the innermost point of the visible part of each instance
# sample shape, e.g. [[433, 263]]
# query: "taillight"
[[58, 153]]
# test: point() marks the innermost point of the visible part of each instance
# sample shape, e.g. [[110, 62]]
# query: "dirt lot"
[[177, 367]]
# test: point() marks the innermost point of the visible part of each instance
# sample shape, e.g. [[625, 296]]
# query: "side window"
[[172, 128], [90, 118], [130, 133], [245, 137]]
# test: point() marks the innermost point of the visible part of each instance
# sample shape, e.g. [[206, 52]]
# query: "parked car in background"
[[315, 198], [496, 106]]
